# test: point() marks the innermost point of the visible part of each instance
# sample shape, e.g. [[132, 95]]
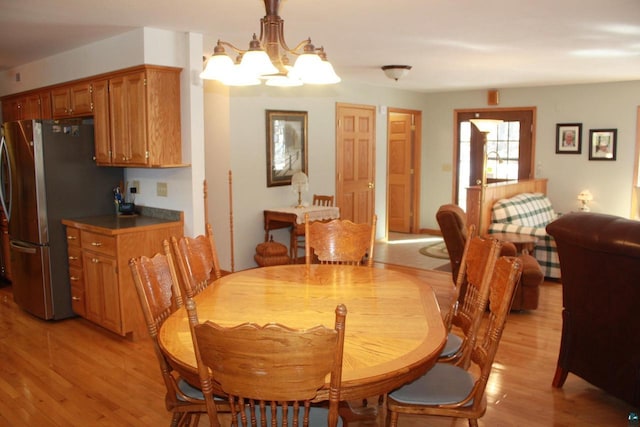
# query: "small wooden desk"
[[394, 329], [291, 217]]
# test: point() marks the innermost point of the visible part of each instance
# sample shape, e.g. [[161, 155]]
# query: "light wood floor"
[[71, 373]]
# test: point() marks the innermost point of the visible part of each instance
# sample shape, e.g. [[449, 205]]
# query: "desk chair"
[[270, 371], [197, 259], [452, 391], [340, 241], [321, 200], [157, 287]]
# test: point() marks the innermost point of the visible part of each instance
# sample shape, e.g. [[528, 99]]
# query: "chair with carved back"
[[466, 311], [318, 200], [270, 371], [156, 284], [453, 225], [449, 390], [339, 241], [197, 259]]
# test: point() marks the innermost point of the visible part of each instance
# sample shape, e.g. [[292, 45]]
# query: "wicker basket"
[[271, 253]]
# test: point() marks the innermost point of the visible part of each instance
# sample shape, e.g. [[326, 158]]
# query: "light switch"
[[161, 189]]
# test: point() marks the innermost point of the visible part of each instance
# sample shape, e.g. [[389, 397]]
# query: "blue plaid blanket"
[[529, 213]]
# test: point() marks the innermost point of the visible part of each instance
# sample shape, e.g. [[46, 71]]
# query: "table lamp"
[[585, 197], [299, 183]]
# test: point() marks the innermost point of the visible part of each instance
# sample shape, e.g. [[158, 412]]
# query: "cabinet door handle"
[[98, 244], [72, 238], [74, 278], [75, 298], [95, 260], [73, 258]]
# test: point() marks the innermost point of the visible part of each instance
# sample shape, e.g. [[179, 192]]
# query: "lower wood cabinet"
[[102, 287]]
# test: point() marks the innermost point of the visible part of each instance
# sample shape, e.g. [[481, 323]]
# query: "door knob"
[[372, 185]]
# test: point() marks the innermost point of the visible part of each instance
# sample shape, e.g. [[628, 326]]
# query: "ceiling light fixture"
[[267, 58], [396, 72]]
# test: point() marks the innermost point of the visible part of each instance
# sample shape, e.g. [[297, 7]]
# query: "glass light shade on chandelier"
[[267, 58]]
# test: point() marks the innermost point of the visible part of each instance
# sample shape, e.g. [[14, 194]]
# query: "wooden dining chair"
[[452, 391], [470, 297], [339, 241], [197, 260], [270, 371], [318, 200], [157, 287], [322, 200]]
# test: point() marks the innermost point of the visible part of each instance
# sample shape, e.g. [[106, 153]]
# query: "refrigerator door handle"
[[4, 158], [22, 248]]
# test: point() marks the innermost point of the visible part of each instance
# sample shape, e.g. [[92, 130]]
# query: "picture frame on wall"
[[286, 146], [569, 138], [602, 144]]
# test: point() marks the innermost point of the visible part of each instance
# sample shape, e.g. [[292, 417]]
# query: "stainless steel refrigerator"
[[47, 173]]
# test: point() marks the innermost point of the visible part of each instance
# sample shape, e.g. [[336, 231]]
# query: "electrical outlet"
[[136, 185], [161, 189]]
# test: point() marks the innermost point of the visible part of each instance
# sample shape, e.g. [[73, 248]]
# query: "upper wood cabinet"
[[32, 105], [136, 113], [137, 118], [72, 100]]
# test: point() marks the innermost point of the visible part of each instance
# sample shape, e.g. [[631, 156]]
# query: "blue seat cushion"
[[443, 384], [189, 390], [454, 342]]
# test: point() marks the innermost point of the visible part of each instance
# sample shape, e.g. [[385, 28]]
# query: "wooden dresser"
[[99, 250]]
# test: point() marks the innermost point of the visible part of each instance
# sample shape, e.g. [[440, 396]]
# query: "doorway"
[[355, 161], [510, 148], [403, 170]]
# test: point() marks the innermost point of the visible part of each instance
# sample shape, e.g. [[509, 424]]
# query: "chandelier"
[[267, 58]]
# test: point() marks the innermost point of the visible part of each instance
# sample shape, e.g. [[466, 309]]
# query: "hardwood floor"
[[71, 373]]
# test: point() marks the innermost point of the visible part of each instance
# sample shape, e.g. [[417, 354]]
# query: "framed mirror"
[[286, 146]]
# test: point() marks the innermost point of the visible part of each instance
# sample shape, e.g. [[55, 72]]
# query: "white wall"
[[248, 151]]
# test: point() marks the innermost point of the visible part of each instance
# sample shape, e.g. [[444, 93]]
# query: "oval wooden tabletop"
[[394, 330]]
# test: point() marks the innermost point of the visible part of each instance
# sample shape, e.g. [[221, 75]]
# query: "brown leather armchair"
[[600, 264], [453, 225]]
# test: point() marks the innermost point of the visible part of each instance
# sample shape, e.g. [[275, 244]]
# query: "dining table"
[[394, 330]]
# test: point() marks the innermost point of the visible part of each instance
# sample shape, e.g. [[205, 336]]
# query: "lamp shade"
[[218, 68], [396, 72], [299, 182], [585, 195]]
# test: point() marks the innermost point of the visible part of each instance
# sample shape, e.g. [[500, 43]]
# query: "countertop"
[[118, 224]]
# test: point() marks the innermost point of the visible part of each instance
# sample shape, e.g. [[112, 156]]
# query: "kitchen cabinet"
[[72, 100], [137, 118], [76, 277], [10, 109], [99, 251], [136, 113], [33, 105]]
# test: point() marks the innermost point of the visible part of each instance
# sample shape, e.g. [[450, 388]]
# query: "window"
[[509, 149]]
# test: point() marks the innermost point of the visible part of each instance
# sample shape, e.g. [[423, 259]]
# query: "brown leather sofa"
[[453, 225], [600, 264]]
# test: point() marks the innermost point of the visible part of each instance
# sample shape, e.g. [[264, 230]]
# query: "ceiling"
[[452, 45]]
